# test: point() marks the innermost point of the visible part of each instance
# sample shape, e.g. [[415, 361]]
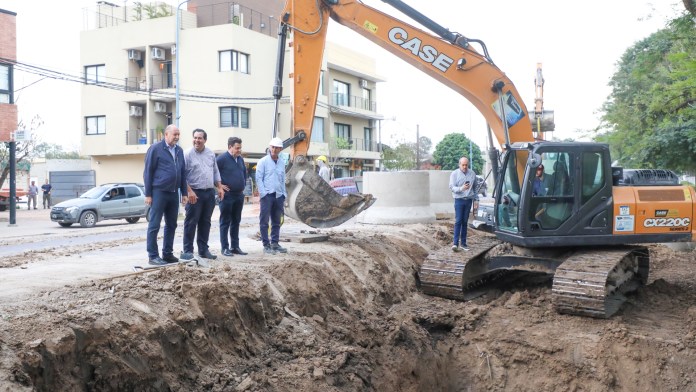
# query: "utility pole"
[[178, 55], [417, 147]]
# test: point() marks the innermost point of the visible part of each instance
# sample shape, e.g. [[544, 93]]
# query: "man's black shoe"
[[157, 261], [227, 252], [207, 255], [238, 251], [170, 259]]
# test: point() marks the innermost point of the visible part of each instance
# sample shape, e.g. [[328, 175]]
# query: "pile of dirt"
[[344, 316]]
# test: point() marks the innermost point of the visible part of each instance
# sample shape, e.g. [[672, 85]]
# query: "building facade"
[[226, 70], [8, 55]]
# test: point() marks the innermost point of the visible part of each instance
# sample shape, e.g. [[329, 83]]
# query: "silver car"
[[108, 201]]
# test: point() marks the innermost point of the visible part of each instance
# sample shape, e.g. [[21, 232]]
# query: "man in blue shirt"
[[165, 179], [234, 176], [270, 181]]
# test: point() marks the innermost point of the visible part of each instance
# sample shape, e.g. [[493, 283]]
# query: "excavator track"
[[594, 283], [442, 272]]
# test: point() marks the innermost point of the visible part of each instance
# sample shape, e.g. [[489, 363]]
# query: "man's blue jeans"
[[273, 207], [198, 217], [230, 218], [163, 204], [462, 207]]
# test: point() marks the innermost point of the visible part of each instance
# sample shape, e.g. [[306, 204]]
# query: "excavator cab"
[[552, 193]]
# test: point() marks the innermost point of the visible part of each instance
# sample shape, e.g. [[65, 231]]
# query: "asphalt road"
[[42, 255]]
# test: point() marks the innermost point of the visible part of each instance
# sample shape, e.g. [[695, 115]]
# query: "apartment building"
[[224, 66], [8, 54]]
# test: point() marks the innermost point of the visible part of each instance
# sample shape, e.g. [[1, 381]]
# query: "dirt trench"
[[344, 316]]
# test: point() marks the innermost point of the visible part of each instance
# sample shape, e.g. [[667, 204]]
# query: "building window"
[[321, 83], [341, 93], [318, 130], [366, 99], [95, 74], [368, 139], [5, 83], [342, 131], [95, 125], [231, 60], [234, 116]]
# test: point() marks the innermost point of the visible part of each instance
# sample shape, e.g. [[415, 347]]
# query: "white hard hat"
[[276, 142]]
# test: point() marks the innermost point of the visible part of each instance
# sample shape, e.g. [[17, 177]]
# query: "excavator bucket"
[[314, 202]]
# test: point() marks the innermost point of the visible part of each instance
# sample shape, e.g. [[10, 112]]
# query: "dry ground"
[[344, 315]]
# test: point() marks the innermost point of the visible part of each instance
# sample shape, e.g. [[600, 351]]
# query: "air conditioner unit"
[[134, 54], [160, 107], [157, 54], [136, 111], [363, 83]]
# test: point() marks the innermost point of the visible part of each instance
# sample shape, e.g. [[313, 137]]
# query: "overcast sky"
[[578, 43]]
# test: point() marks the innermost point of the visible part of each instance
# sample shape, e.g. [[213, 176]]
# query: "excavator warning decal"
[[624, 223], [369, 26]]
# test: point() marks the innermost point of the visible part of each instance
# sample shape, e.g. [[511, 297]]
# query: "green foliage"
[[151, 10], [402, 157], [54, 151], [24, 151], [422, 150], [342, 143], [649, 120], [454, 146]]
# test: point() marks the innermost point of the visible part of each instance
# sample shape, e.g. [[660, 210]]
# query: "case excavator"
[[580, 221]]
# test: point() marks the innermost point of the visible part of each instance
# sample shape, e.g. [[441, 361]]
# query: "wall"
[[8, 50]]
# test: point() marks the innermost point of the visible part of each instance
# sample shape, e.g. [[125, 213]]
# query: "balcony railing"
[[162, 81], [231, 12], [356, 144], [136, 84], [353, 101], [135, 137]]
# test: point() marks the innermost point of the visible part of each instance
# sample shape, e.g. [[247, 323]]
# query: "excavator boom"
[[446, 56]]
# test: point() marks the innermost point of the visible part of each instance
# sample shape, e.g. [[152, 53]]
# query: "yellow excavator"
[[574, 221]]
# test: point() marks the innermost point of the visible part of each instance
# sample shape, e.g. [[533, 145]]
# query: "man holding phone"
[[461, 184]]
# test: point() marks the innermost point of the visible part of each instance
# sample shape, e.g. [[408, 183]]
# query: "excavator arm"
[[447, 57]]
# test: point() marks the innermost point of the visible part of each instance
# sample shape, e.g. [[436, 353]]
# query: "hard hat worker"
[[323, 168], [270, 181]]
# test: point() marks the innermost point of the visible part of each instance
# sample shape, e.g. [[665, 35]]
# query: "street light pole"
[[178, 54]]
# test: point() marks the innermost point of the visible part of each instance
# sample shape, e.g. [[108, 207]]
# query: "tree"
[[54, 151], [649, 119], [421, 152], [402, 157], [454, 146], [335, 145], [24, 151]]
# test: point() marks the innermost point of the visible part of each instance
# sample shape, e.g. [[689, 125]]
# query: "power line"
[[118, 86]]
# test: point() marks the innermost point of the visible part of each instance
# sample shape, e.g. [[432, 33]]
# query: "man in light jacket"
[[270, 180]]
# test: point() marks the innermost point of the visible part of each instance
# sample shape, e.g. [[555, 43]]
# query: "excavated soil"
[[344, 315]]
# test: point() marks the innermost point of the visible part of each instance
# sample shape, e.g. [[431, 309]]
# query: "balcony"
[[230, 12], [355, 144], [162, 81], [136, 84], [157, 82], [338, 99], [135, 137]]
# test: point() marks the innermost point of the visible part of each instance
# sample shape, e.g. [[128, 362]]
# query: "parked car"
[[345, 185], [108, 201]]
